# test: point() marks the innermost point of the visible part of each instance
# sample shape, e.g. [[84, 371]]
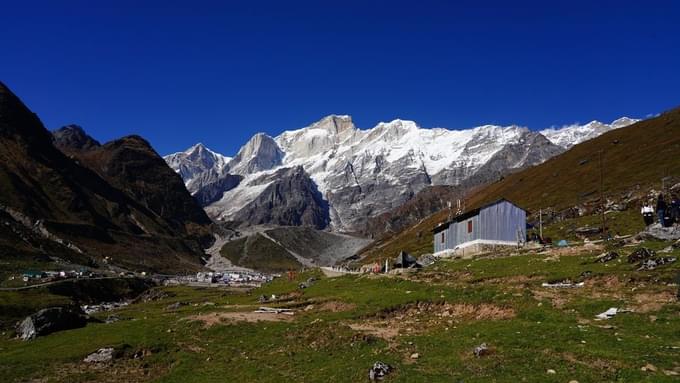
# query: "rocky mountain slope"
[[361, 174], [93, 203]]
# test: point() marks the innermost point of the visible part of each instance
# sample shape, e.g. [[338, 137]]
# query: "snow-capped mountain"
[[359, 173], [198, 165], [571, 135]]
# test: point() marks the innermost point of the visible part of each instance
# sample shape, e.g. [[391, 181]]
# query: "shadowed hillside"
[[52, 205]]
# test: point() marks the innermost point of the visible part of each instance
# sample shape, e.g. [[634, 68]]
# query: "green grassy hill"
[[259, 253]]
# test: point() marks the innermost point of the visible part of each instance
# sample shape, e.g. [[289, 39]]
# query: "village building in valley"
[[499, 223]]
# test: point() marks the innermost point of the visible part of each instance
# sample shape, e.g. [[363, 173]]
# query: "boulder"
[[606, 257], [379, 371], [102, 355], [659, 232], [51, 320], [640, 254]]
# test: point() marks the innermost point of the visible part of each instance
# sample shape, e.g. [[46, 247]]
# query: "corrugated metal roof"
[[470, 213]]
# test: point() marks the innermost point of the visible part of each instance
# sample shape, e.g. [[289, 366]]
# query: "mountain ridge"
[[362, 173]]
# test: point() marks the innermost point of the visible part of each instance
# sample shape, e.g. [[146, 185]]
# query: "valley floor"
[[424, 324]]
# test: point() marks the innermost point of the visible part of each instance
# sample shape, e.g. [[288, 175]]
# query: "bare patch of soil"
[[600, 364], [212, 319], [650, 302], [376, 330], [421, 316], [484, 311], [123, 371], [335, 306]]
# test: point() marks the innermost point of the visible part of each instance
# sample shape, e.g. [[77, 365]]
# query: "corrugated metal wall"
[[500, 222]]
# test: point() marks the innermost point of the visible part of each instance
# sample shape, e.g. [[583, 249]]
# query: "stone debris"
[[102, 355], [107, 306], [640, 254], [607, 257], [651, 264], [610, 313], [379, 371], [427, 260], [649, 367], [415, 355], [587, 230], [551, 371], [274, 310], [176, 305], [657, 232], [481, 350], [564, 285]]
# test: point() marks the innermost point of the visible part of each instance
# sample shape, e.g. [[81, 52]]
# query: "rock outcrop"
[[49, 320]]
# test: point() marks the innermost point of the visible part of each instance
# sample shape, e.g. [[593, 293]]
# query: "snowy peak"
[[319, 138], [195, 162], [570, 135], [334, 124], [260, 153]]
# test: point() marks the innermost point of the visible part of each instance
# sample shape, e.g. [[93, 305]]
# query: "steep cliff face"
[[364, 173], [287, 197], [260, 153], [47, 197]]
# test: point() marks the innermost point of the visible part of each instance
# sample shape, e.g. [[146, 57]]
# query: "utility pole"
[[602, 202], [540, 223]]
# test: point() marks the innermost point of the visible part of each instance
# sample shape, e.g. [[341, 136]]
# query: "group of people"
[[668, 213]]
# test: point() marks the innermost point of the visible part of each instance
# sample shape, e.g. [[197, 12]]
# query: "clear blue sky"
[[179, 72]]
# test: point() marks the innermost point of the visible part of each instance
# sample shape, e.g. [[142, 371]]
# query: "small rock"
[[573, 381], [481, 350], [175, 306], [551, 371], [379, 371], [649, 367], [415, 355], [100, 356]]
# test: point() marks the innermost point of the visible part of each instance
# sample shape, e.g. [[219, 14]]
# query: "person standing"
[[675, 210], [647, 212], [661, 208]]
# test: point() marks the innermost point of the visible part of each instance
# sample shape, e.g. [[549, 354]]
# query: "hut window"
[[443, 238], [470, 226]]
